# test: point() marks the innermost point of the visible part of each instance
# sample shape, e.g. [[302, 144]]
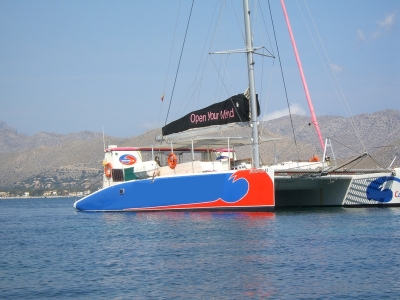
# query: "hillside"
[[12, 141], [73, 161], [64, 162]]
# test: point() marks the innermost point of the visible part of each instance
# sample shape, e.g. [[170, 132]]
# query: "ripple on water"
[[49, 250]]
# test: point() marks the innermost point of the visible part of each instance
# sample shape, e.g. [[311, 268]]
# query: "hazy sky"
[[68, 66]]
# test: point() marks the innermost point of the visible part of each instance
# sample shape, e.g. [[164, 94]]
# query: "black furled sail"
[[232, 110]]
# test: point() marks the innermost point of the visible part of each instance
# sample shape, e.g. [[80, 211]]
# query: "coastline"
[[35, 197]]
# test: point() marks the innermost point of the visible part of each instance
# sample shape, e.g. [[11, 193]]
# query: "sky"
[[70, 66]]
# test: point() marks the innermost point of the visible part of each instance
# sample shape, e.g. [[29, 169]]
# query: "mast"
[[250, 67], [303, 78]]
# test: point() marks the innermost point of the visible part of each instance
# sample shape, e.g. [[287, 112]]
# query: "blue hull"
[[228, 190]]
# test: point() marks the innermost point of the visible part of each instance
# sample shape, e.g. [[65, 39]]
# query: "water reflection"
[[182, 215]]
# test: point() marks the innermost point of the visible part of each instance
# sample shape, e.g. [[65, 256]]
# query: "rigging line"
[[217, 86], [180, 58], [206, 58], [196, 83], [256, 18], [253, 20], [228, 75], [301, 131], [262, 64], [199, 91], [345, 145], [169, 61], [263, 50], [377, 162], [192, 89], [357, 160], [261, 85], [348, 112], [266, 29], [222, 9], [280, 155], [262, 68], [225, 60], [268, 92], [192, 86], [226, 89], [387, 146], [195, 87], [283, 79], [239, 23], [215, 28]]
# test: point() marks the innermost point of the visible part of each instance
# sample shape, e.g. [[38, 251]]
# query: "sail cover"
[[232, 110]]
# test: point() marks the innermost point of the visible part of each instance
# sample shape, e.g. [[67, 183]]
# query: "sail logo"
[[127, 159], [212, 116], [198, 118], [226, 114], [381, 189]]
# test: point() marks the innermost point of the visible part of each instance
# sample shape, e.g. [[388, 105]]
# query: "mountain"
[[12, 141], [73, 161], [55, 161]]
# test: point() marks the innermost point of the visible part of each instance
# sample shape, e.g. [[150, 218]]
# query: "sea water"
[[49, 250]]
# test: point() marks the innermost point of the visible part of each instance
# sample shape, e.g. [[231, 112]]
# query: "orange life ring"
[[314, 159], [107, 170], [172, 160]]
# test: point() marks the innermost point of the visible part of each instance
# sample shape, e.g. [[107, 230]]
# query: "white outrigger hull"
[[377, 189]]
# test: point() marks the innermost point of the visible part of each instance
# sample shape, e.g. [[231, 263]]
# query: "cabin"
[[134, 163]]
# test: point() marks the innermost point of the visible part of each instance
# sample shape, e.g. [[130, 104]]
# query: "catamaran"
[[193, 168]]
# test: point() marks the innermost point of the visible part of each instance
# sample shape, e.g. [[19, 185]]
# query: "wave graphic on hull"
[[244, 188], [380, 189]]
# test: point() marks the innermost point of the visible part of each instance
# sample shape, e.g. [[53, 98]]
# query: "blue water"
[[49, 250]]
